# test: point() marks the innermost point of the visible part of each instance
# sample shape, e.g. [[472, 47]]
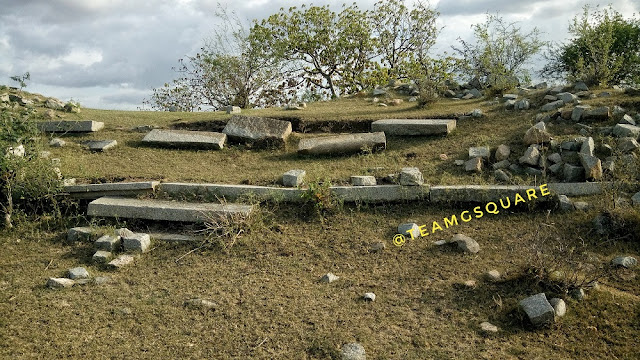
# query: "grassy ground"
[[269, 301]]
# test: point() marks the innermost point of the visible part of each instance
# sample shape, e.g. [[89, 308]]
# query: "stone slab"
[[414, 127], [70, 126], [380, 193], [162, 210], [481, 193], [233, 192], [578, 188], [343, 144], [95, 191], [186, 139], [258, 129]]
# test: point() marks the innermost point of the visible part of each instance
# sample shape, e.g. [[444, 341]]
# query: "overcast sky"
[[109, 54]]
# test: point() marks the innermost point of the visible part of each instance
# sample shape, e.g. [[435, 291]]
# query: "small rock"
[[488, 327], [565, 203], [59, 283], [102, 145], [552, 106], [124, 232], [493, 275], [554, 158], [531, 156], [502, 152], [79, 234], [625, 261], [567, 97], [635, 199], [459, 162], [121, 261], [474, 165], [363, 181], [471, 284], [477, 113], [369, 296], [57, 142], [108, 243], [480, 151], [577, 294], [624, 130], [537, 134], [411, 176], [232, 109], [100, 280], [293, 178], [200, 304], [353, 351], [580, 86], [592, 166], [596, 114], [440, 242], [466, 243], [136, 242], [538, 309], [559, 306], [406, 227], [501, 165], [573, 173], [576, 113], [329, 278], [628, 120], [581, 205], [78, 273], [500, 175]]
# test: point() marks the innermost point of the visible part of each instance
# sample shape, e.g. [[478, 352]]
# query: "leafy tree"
[[499, 53], [604, 49], [327, 50], [403, 34]]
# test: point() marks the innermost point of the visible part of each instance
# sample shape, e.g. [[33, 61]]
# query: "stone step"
[[70, 126], [342, 144], [95, 191], [185, 139], [414, 127], [160, 210]]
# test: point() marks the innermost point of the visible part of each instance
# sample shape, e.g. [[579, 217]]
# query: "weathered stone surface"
[[414, 127], [531, 156], [411, 176], [78, 273], [293, 178], [343, 144], [108, 243], [592, 166], [559, 306], [94, 191], [121, 261], [70, 126], [566, 97], [627, 120], [480, 151], [576, 113], [80, 234], [522, 104], [369, 296], [57, 142], [538, 309], [537, 134], [124, 232], [176, 238], [102, 257], [488, 327], [59, 283], [257, 129], [380, 193], [506, 97], [407, 229], [329, 278], [163, 210], [554, 158], [550, 98], [501, 165], [588, 147], [625, 261], [565, 204], [102, 145], [624, 130], [573, 173], [556, 168], [502, 152], [493, 275], [185, 139], [363, 180], [353, 351], [552, 105], [481, 193], [510, 104], [466, 243], [232, 192], [474, 165], [136, 242], [601, 113]]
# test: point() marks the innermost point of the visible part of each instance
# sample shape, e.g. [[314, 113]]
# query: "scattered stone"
[[293, 178], [121, 261], [538, 309], [493, 275], [627, 120], [353, 351], [406, 227], [573, 173], [552, 106], [577, 294], [531, 156], [480, 151], [635, 199], [556, 168], [550, 98], [18, 151], [101, 280], [232, 109], [143, 128], [540, 86], [488, 327], [70, 126], [101, 145], [369, 296], [510, 104], [363, 180], [596, 114], [567, 97], [459, 162], [136, 242], [501, 165], [506, 97], [602, 224], [440, 242], [625, 130], [186, 139], [108, 243], [502, 152], [522, 104], [565, 203], [559, 306], [329, 278], [625, 261], [411, 176], [57, 142], [343, 144], [395, 102], [537, 134], [78, 273], [102, 257], [79, 234], [580, 86], [477, 113], [474, 165], [588, 147], [444, 157], [592, 166], [264, 131], [471, 284], [466, 243], [200, 304], [627, 144], [378, 92], [59, 283], [554, 158], [578, 111], [581, 205], [500, 175]]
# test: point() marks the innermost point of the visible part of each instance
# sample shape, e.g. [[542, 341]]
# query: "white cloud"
[[83, 57]]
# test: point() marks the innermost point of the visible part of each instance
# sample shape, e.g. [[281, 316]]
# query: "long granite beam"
[[95, 191], [482, 193], [233, 192], [414, 127], [70, 126], [184, 138], [380, 193], [342, 144], [160, 210]]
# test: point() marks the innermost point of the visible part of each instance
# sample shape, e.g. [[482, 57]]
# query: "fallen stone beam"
[[186, 139], [380, 193], [258, 130], [343, 144], [414, 127], [94, 191], [232, 192], [579, 188], [70, 126], [482, 193], [160, 210]]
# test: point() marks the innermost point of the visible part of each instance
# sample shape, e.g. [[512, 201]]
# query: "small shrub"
[[319, 200]]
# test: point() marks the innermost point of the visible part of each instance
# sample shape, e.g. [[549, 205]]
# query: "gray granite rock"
[[501, 175], [343, 144], [502, 152], [121, 261], [625, 261], [625, 130], [186, 139], [559, 306], [108, 243], [59, 283], [537, 134], [102, 145], [474, 165], [264, 131], [136, 242], [353, 351], [83, 233], [573, 173], [480, 151], [329, 278], [531, 156], [552, 105], [504, 164], [78, 273], [488, 327], [369, 296], [293, 178], [102, 257], [406, 227], [411, 176], [538, 309], [466, 243], [363, 180]]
